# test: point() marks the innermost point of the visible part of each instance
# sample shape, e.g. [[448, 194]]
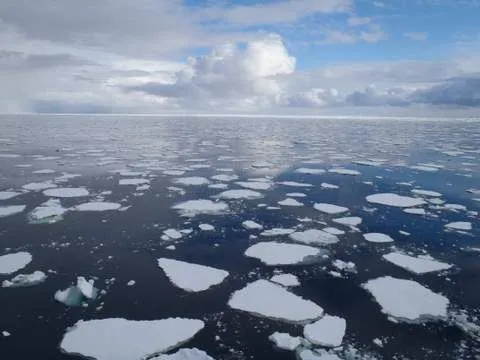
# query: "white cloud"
[[358, 21], [417, 36]]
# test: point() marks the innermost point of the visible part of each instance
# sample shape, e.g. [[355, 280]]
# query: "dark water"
[[124, 245]]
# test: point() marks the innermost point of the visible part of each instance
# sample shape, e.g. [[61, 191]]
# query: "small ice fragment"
[[378, 342], [290, 202], [415, 211], [378, 238], [329, 208], [71, 296], [131, 283], [328, 186], [134, 181], [349, 221], [285, 280], [426, 193], [173, 234], [295, 184], [250, 225], [86, 288], [25, 280], [310, 171], [328, 331], [11, 263], [285, 341], [192, 181], [206, 227], [255, 185], [391, 199], [296, 194], [344, 171], [459, 225]]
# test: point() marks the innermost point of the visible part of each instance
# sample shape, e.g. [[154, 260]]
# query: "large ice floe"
[[122, 339], [191, 277], [378, 238], [255, 185], [11, 263], [133, 182], [5, 195], [8, 210], [192, 181], [66, 192], [391, 199], [38, 186], [416, 265], [459, 225], [98, 206], [184, 354], [192, 208], [328, 331], [264, 298], [329, 208], [25, 280], [48, 212], [245, 194], [290, 202], [285, 280], [314, 236], [275, 253], [407, 300]]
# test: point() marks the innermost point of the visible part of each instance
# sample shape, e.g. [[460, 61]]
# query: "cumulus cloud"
[[315, 97]]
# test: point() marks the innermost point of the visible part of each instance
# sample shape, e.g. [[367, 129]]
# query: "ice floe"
[[66, 192], [417, 265], [415, 211], [407, 300], [277, 232], [426, 192], [378, 238], [134, 181], [310, 171], [328, 331], [255, 185], [290, 202], [314, 236], [328, 186], [192, 181], [264, 298], [98, 206], [320, 354], [224, 177], [8, 210], [251, 225], [333, 231], [349, 221], [11, 263], [206, 227], [173, 234], [275, 253], [344, 171], [184, 354], [329, 208], [459, 225], [285, 341], [391, 199], [192, 208], [5, 195], [122, 339], [86, 287], [38, 186], [191, 277], [25, 280], [285, 280], [75, 294], [240, 194], [296, 194], [295, 184]]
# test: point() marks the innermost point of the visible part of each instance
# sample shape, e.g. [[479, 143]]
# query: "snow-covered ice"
[[344, 171], [264, 298], [98, 206], [310, 171], [122, 339], [417, 265], [5, 195], [184, 354], [251, 225], [66, 192], [459, 225], [173, 234], [192, 208], [206, 227], [349, 221], [24, 280], [378, 238], [407, 300], [285, 341], [328, 331], [38, 186], [8, 210], [48, 212], [277, 232], [328, 186], [134, 181], [275, 253], [391, 199], [191, 277], [306, 354], [192, 181], [255, 185], [415, 211], [240, 194], [11, 263], [329, 208], [285, 279], [86, 287], [314, 236], [290, 202], [426, 192], [296, 194]]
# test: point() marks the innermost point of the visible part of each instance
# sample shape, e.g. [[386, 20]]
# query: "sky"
[[333, 57]]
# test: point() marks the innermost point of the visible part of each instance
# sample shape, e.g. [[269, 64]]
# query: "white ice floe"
[[391, 199], [8, 210], [344, 171], [320, 354], [206, 227], [426, 193], [378, 238], [285, 280], [131, 282], [192, 181], [277, 232], [240, 194], [295, 184], [333, 231], [38, 186], [224, 177], [184, 354], [134, 181], [251, 225], [285, 341], [25, 280], [191, 277], [328, 186], [173, 234], [407, 300], [122, 339], [174, 172], [329, 208], [290, 202], [98, 206], [66, 192], [296, 194], [264, 298], [314, 236], [459, 225], [310, 171], [86, 287], [349, 221], [255, 185], [43, 171], [48, 212], [192, 208], [424, 168], [328, 331], [415, 211], [11, 263], [219, 186], [5, 195], [417, 265], [275, 253]]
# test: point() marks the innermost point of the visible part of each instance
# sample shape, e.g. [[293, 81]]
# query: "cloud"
[[358, 21], [417, 36], [315, 97], [371, 96], [339, 37]]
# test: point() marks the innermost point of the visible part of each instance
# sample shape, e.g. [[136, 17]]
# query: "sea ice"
[[296, 194], [459, 225], [38, 186], [328, 186], [310, 171], [264, 298], [98, 206], [277, 232], [206, 227], [415, 211], [314, 236], [328, 331], [5, 195], [344, 171], [184, 354], [8, 210], [224, 177], [66, 192], [290, 202], [285, 279], [275, 253], [255, 185], [24, 280], [378, 238], [86, 288], [173, 234], [295, 184], [191, 277], [251, 225], [192, 181], [192, 208], [426, 192], [11, 263], [416, 265], [134, 181], [407, 300], [285, 341], [240, 194], [48, 212], [349, 221], [306, 354], [329, 208], [122, 339], [333, 231], [391, 199]]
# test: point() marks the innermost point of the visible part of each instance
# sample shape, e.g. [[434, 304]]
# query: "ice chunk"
[[314, 236], [333, 231], [415, 211], [328, 186], [285, 341], [416, 265], [134, 181], [122, 339], [274, 253], [407, 300], [98, 206], [329, 208], [349, 221], [44, 171], [277, 232], [296, 194], [174, 172], [191, 277], [295, 184], [173, 234], [5, 195], [328, 331], [344, 265], [459, 225], [290, 202], [285, 279], [11, 263], [378, 238], [310, 171], [131, 283], [391, 199], [344, 171], [255, 185], [192, 208], [250, 225], [24, 280], [184, 354], [240, 194], [86, 287], [38, 186], [426, 193], [263, 298], [306, 354], [192, 181], [71, 296], [8, 210], [49, 212], [66, 192], [206, 227], [224, 177]]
